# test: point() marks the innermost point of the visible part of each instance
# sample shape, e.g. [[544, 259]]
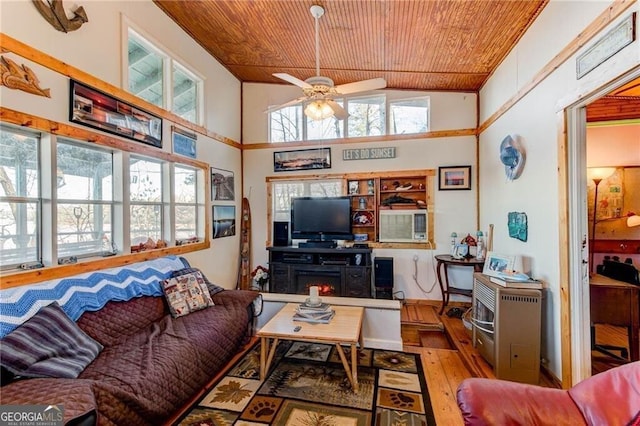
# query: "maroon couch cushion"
[[500, 402], [611, 397], [117, 320]]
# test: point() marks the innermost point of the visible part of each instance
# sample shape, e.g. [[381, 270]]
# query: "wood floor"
[[448, 356]]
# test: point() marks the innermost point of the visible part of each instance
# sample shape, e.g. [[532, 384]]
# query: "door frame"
[[573, 236]]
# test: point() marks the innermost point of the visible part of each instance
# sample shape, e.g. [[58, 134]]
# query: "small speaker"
[[281, 234], [383, 270]]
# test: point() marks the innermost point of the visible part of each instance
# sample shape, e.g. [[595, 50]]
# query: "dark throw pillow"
[[213, 289], [186, 293], [49, 344]]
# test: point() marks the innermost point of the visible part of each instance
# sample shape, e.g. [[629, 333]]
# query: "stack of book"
[[518, 280], [321, 313]]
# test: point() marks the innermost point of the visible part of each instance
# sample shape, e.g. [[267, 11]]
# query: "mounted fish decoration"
[[53, 12], [19, 77]]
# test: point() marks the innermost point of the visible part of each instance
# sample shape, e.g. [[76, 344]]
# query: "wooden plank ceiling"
[[450, 45]]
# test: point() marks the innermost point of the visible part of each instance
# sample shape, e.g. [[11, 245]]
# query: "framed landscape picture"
[[224, 221], [454, 178], [304, 159]]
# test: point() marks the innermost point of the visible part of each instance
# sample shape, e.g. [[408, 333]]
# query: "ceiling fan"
[[319, 92]]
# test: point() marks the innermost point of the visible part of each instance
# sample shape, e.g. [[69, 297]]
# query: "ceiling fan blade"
[[286, 104], [361, 86], [293, 80], [339, 112]]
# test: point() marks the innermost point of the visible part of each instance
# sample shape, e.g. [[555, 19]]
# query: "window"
[[329, 128], [366, 116], [84, 199], [186, 207], [185, 94], [285, 124], [145, 193], [409, 116], [147, 68], [283, 192], [19, 198]]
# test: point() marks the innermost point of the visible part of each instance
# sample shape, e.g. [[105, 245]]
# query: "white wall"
[[455, 210], [96, 48], [534, 119]]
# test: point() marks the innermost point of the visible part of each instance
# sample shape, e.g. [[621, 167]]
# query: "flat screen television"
[[324, 219]]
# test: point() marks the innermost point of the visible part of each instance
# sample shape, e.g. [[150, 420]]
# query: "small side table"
[[446, 260]]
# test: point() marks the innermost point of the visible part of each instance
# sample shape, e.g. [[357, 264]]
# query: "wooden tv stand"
[[344, 272]]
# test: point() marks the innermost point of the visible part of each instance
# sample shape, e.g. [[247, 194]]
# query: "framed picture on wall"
[[304, 159], [222, 185], [454, 178], [93, 108], [224, 221]]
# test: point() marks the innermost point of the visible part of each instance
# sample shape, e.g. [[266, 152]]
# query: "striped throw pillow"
[[49, 344]]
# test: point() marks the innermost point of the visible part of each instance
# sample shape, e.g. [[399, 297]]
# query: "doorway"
[[577, 353]]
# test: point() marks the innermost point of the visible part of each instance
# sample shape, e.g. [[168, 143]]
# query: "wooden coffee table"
[[345, 328]]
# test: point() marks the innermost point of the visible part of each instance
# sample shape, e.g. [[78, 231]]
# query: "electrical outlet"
[[415, 257]]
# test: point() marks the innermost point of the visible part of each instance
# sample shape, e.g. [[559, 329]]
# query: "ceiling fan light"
[[318, 110]]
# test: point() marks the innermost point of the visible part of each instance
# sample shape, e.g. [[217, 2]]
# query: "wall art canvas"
[[224, 221], [517, 223], [222, 185]]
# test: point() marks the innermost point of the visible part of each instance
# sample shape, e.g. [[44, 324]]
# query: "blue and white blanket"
[[85, 292]]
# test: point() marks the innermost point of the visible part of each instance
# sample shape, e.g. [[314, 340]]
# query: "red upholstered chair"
[[609, 398]]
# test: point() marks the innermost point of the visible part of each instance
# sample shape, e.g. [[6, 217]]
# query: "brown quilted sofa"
[[609, 398], [151, 363]]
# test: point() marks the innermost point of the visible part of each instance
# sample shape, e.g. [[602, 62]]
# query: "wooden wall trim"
[[61, 129], [366, 139], [595, 27], [54, 272], [9, 44]]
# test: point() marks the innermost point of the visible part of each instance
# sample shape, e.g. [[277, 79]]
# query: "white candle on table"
[[313, 293]]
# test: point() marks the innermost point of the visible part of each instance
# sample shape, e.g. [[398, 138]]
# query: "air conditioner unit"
[[403, 226]]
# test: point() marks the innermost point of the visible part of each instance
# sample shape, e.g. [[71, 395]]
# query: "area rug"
[[307, 386]]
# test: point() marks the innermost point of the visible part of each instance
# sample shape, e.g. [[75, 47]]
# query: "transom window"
[[368, 116], [157, 77]]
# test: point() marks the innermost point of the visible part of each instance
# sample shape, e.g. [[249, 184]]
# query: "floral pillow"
[[186, 293]]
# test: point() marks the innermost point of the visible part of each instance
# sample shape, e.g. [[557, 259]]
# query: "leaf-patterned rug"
[[307, 386]]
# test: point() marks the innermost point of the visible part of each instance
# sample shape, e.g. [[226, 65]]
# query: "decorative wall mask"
[[19, 77], [512, 156], [518, 227], [53, 12]]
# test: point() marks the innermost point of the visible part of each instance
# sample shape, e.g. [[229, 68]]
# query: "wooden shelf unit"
[[426, 177], [364, 200]]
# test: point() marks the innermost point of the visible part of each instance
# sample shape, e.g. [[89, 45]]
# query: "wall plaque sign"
[[608, 45], [369, 153]]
